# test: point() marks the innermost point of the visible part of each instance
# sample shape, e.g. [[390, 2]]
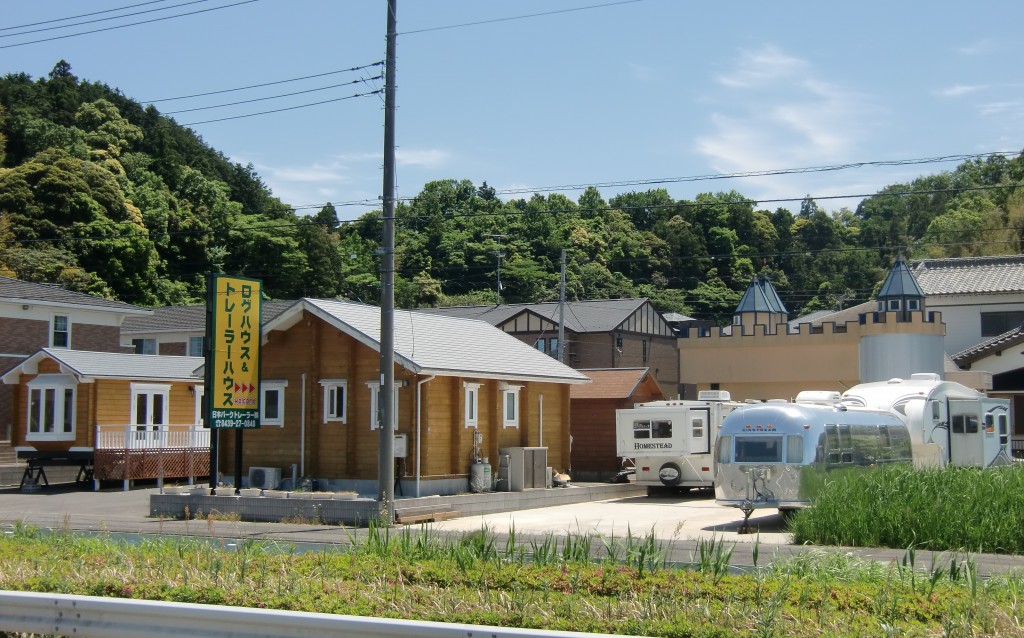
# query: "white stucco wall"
[[962, 315]]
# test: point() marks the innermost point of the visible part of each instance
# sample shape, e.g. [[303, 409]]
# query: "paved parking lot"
[[681, 523], [688, 517]]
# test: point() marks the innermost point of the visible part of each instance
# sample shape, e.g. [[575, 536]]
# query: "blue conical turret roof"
[[900, 283], [761, 297]]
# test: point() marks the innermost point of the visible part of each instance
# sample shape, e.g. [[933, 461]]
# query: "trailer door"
[[699, 423], [966, 436]]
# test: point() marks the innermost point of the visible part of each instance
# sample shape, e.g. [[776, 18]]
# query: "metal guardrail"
[[141, 437], [90, 616]]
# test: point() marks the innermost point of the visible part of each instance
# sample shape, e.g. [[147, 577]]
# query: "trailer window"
[[1004, 428], [652, 429], [759, 449], [845, 444], [965, 424], [723, 449], [794, 448], [697, 427]]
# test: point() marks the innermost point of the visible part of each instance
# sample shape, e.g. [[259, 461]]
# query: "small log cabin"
[[461, 385], [593, 409], [129, 416]]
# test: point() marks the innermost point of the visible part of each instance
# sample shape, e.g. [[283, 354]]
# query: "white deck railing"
[[142, 437]]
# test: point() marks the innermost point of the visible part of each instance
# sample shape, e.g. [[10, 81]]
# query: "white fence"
[[69, 615], [141, 437]]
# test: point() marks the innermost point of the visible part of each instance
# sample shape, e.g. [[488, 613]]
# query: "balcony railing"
[[145, 437]]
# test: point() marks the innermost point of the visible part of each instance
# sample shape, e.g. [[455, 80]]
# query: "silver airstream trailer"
[[775, 454]]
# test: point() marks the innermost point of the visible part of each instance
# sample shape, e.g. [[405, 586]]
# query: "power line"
[[81, 15], [716, 176], [288, 108], [78, 24], [764, 173], [256, 86], [520, 17], [274, 97], [742, 200], [130, 24]]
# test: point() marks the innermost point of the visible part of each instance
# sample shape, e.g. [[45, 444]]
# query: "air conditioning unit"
[[265, 478]]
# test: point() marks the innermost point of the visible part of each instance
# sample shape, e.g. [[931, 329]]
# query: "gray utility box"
[[521, 468]]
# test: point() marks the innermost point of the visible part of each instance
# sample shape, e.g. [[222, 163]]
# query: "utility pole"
[[498, 253], [561, 313], [386, 392]]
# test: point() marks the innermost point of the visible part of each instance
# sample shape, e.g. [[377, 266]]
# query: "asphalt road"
[[681, 525]]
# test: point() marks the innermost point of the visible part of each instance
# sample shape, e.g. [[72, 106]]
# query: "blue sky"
[[623, 92]]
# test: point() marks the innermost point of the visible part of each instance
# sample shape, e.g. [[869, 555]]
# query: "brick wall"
[[86, 336], [24, 336], [174, 349]]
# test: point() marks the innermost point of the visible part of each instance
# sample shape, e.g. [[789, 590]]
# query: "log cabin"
[[465, 390]]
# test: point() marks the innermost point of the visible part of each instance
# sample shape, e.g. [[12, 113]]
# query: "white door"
[[699, 424], [966, 442]]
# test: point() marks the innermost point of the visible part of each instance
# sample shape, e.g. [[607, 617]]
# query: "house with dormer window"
[[35, 316]]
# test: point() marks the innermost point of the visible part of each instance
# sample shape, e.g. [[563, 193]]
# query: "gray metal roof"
[[761, 296], [27, 292], [601, 315], [190, 318], [970, 275], [900, 283], [436, 344], [111, 365]]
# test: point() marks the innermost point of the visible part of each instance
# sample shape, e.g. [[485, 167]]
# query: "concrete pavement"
[[681, 524]]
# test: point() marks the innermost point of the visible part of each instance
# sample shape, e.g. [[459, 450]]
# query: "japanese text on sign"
[[234, 357]]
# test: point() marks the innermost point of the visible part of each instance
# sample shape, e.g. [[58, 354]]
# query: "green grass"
[[949, 509], [579, 583]]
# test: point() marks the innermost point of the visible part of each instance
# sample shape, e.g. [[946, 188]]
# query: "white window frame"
[[913, 304], [471, 403], [894, 305], [190, 350], [59, 383], [375, 399], [340, 412], [66, 331], [510, 392], [199, 391], [150, 390], [272, 386]]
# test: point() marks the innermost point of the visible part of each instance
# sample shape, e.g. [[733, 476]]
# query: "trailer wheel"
[[670, 474]]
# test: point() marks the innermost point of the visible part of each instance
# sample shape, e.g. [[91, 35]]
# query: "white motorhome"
[[670, 442], [949, 423]]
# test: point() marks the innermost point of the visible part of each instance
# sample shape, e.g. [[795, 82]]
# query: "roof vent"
[[713, 395], [818, 397]]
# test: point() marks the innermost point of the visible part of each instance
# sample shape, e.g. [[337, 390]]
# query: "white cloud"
[[313, 174], [427, 158], [980, 47], [960, 89], [642, 72], [1011, 108], [759, 68], [775, 112]]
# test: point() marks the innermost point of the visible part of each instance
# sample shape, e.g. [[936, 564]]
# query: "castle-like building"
[[763, 355]]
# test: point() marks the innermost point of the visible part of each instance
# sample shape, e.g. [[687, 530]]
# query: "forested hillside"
[[105, 196]]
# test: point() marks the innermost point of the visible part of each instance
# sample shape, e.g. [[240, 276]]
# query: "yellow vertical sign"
[[234, 395]]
